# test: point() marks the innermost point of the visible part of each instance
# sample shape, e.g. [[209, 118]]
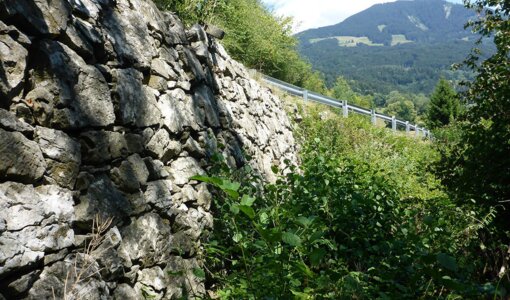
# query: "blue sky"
[[317, 13]]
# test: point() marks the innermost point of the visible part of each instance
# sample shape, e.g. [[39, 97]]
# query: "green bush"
[[362, 218]]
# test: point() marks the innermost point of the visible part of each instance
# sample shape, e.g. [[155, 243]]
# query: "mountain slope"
[[419, 21], [403, 45]]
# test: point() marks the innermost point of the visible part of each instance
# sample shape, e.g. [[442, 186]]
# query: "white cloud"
[[317, 13]]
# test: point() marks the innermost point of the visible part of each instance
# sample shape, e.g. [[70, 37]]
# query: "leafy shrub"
[[362, 218]]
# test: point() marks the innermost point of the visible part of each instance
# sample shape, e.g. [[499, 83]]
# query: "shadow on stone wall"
[[107, 108]]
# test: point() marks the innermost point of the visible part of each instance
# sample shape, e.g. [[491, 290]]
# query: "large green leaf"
[[304, 269], [207, 179], [291, 239], [247, 200], [247, 211], [304, 221]]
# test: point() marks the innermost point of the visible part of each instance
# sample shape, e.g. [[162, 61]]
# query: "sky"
[[317, 13]]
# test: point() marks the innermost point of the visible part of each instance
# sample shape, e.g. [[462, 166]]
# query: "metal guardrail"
[[346, 107]]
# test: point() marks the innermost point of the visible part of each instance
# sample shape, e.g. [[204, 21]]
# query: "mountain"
[[403, 45]]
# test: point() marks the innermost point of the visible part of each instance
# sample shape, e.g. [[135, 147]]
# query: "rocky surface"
[[107, 108]]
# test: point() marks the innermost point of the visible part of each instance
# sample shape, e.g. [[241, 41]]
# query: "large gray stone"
[[183, 168], [9, 122], [146, 239], [159, 194], [204, 99], [40, 17], [23, 283], [173, 113], [161, 68], [87, 8], [13, 61], [153, 277], [125, 292], [127, 31], [185, 278], [79, 42], [21, 158], [81, 95], [156, 169], [103, 199], [176, 34], [110, 262], [102, 146], [132, 174], [162, 147], [36, 221], [62, 153], [78, 277], [136, 102], [192, 65]]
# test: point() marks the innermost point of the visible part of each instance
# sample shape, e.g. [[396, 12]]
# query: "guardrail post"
[[305, 95], [416, 131], [373, 117], [407, 127], [345, 109], [393, 123]]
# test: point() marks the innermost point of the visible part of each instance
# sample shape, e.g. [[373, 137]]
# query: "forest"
[[368, 214]]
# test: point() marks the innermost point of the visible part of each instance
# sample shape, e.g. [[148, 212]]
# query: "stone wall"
[[107, 107]]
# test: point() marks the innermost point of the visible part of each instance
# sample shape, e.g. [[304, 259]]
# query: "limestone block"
[[124, 292], [136, 102], [176, 34], [77, 41], [162, 147], [102, 146], [41, 17], [179, 265], [102, 198], [62, 153], [9, 122], [182, 169], [36, 221], [161, 68], [110, 262], [127, 31], [21, 158], [81, 95], [13, 61], [192, 65], [62, 279], [156, 169], [159, 194], [146, 239], [132, 174], [204, 98]]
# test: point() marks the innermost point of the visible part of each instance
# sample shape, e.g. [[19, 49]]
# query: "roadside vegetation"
[[368, 214]]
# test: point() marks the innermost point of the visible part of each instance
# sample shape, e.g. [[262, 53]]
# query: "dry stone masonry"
[[107, 107]]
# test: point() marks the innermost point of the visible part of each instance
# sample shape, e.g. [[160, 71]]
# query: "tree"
[[476, 164], [444, 105], [343, 91], [398, 105]]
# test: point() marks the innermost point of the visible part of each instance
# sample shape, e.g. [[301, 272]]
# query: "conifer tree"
[[444, 105]]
